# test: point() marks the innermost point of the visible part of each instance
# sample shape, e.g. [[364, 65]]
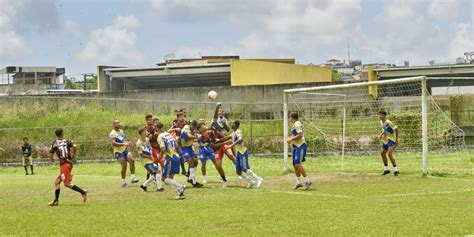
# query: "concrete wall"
[[26, 89], [269, 93]]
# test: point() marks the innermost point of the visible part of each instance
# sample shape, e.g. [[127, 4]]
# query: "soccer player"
[[241, 152], [117, 138], [168, 152], [175, 131], [153, 135], [144, 149], [26, 158], [187, 138], [207, 153], [299, 151], [389, 137], [218, 144], [65, 150], [220, 125]]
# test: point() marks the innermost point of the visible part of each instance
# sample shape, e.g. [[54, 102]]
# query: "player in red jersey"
[[150, 126], [206, 141], [65, 150], [221, 127]]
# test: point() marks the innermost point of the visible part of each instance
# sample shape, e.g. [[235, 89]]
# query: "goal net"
[[342, 121]]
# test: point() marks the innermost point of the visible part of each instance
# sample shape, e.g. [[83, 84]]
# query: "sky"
[[81, 34]]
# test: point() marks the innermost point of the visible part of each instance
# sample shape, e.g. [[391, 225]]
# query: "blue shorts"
[[242, 161], [123, 154], [299, 154], [390, 143], [171, 166], [151, 168], [188, 153], [206, 153]]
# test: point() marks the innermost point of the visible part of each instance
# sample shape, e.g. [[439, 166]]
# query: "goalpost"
[[342, 119]]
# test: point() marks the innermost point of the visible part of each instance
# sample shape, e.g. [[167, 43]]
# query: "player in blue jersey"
[[187, 138], [168, 152], [117, 138], [389, 137], [144, 149], [299, 151], [241, 152]]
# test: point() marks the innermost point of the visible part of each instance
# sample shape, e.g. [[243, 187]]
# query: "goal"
[[342, 120]]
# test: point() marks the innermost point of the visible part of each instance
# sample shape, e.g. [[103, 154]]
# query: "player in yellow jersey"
[[242, 166], [117, 138], [145, 151], [187, 138], [389, 137], [168, 152], [299, 151]]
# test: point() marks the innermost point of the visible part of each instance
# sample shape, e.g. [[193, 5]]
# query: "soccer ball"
[[212, 95]]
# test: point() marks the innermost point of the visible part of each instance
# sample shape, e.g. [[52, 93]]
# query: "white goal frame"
[[424, 113]]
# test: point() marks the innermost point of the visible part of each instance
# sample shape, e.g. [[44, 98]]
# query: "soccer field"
[[358, 202]]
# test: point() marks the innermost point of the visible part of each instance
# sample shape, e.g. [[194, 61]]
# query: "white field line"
[[311, 194], [459, 179], [422, 193]]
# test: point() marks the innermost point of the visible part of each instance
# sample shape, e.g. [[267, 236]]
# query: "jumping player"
[[299, 151], [117, 138], [187, 138], [241, 152], [144, 150], [220, 125], [65, 150], [168, 152], [389, 137], [207, 153], [26, 158]]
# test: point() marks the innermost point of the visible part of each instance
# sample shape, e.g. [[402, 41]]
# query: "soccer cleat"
[[181, 191], [385, 172], [224, 184], [53, 203], [84, 197], [179, 197], [124, 185], [135, 180], [250, 184], [307, 185], [160, 189], [143, 187], [259, 182], [297, 186], [197, 185], [396, 173]]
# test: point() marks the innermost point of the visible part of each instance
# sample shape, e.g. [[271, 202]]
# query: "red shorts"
[[221, 152], [65, 174], [155, 154]]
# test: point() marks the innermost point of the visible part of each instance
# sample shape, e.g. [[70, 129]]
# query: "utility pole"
[[85, 79]]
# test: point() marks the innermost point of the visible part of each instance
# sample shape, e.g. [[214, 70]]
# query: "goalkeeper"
[[389, 137]]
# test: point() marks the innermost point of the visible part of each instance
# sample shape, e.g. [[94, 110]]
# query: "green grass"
[[358, 202]]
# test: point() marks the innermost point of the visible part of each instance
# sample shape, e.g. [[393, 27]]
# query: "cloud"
[[444, 9], [114, 43], [463, 41], [19, 19], [274, 28], [72, 28]]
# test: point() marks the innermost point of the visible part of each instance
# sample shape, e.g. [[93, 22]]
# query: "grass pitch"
[[358, 202]]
